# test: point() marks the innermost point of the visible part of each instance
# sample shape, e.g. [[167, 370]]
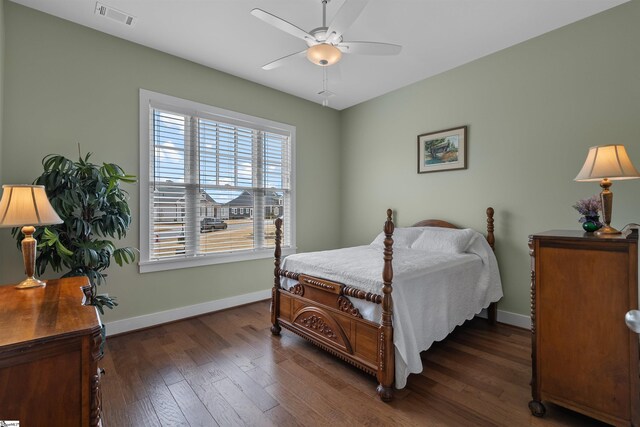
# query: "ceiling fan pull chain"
[[325, 97], [324, 79]]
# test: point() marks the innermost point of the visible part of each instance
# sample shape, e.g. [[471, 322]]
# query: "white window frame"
[[145, 265]]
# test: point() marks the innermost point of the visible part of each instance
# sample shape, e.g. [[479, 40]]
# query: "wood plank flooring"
[[227, 369]]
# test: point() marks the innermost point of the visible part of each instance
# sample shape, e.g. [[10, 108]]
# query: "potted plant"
[[94, 209]]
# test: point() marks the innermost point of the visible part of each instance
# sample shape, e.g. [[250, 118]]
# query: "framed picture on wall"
[[442, 150]]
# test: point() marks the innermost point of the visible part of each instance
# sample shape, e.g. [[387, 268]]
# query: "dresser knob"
[[632, 319]]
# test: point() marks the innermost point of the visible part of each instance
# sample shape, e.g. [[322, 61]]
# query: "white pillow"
[[447, 240], [402, 237]]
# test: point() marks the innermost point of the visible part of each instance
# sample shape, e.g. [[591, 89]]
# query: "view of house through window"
[[216, 184]]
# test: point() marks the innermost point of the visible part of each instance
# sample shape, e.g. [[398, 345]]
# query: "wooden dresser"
[[584, 357], [50, 345]]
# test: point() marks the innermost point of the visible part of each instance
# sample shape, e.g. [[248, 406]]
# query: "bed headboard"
[[440, 223], [434, 223]]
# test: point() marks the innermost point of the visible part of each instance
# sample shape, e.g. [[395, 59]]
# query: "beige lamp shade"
[[26, 205], [607, 161], [324, 54]]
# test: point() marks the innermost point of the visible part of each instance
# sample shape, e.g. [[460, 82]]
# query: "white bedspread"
[[433, 292]]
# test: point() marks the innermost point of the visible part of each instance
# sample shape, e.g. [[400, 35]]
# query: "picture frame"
[[442, 150]]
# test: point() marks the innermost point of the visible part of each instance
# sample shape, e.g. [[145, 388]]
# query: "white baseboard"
[[147, 320], [513, 319], [153, 319]]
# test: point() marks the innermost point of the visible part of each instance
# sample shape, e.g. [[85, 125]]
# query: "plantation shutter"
[[216, 184]]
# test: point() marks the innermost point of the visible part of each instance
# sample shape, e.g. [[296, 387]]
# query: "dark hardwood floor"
[[227, 369]]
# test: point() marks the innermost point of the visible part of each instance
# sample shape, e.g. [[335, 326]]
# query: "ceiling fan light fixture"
[[324, 54]]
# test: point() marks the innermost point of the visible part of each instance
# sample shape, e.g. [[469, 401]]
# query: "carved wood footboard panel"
[[319, 311]]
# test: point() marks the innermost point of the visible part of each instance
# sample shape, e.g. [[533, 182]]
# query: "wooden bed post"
[[492, 311], [275, 297], [386, 365], [490, 237]]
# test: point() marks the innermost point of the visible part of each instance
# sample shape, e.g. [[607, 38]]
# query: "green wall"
[[68, 84], [533, 110]]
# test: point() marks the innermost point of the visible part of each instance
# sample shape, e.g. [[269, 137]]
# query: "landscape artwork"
[[442, 150]]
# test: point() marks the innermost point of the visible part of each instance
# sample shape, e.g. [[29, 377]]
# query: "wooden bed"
[[319, 311]]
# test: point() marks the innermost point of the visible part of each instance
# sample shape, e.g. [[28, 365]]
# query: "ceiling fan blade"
[[283, 25], [346, 16], [278, 62], [369, 48]]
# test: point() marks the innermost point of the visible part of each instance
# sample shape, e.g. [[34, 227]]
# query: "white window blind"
[[216, 182]]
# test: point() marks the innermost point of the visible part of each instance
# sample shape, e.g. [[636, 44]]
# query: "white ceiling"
[[436, 35]]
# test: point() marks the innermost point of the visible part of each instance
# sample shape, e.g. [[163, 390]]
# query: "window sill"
[[198, 261]]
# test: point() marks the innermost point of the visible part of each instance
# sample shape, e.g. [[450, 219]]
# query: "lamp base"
[[30, 282], [606, 231]]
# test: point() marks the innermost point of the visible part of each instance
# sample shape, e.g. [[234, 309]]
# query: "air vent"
[[114, 14]]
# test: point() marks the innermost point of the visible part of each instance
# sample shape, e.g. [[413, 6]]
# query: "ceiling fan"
[[325, 44]]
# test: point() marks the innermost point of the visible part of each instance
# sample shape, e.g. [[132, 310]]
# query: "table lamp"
[[27, 206], [606, 163]]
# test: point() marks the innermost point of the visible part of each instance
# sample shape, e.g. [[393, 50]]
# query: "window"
[[212, 183]]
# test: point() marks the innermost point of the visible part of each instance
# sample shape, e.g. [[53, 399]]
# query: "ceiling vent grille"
[[114, 14]]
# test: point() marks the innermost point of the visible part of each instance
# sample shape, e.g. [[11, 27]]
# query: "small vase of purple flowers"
[[590, 211]]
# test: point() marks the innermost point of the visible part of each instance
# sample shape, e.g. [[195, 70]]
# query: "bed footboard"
[[320, 311]]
